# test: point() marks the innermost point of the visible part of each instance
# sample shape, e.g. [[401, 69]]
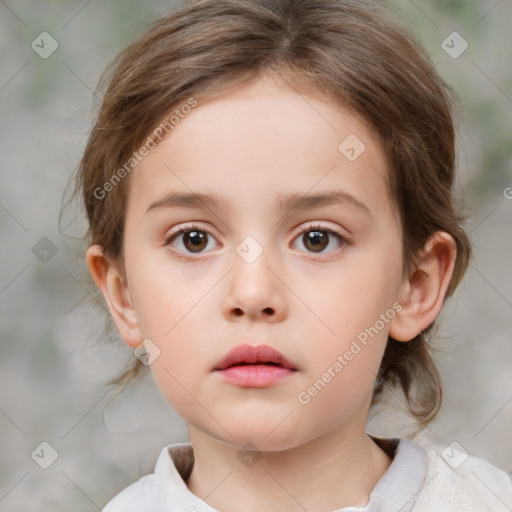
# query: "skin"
[[247, 145]]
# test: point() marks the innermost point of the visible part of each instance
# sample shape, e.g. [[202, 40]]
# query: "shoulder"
[[137, 497], [162, 489], [456, 480]]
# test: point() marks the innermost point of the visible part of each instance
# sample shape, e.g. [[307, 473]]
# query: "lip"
[[254, 376], [240, 367], [254, 354]]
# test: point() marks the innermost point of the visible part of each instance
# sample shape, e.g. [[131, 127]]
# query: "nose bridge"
[[257, 243], [253, 259], [255, 288]]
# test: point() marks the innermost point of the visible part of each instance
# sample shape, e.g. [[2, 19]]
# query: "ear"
[[116, 293], [422, 293]]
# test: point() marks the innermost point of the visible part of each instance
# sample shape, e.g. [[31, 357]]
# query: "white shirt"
[[418, 480]]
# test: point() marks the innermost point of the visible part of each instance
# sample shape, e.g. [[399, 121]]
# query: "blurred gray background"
[[53, 362]]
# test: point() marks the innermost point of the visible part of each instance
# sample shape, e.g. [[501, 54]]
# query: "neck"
[[333, 471]]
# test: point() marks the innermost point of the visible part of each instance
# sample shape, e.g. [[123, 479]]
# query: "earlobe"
[[116, 294], [423, 292]]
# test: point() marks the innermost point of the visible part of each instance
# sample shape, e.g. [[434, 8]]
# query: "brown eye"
[[316, 239], [190, 241], [195, 241]]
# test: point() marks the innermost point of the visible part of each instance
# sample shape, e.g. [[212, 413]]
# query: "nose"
[[256, 290]]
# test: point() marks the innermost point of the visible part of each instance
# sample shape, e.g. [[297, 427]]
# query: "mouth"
[[261, 355], [243, 363], [262, 366]]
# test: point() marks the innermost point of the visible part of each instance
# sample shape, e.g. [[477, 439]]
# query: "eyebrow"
[[285, 202]]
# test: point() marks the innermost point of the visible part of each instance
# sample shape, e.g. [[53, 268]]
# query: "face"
[[308, 279]]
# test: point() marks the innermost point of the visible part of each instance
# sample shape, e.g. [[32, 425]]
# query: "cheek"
[[352, 300], [179, 369], [161, 298], [354, 311]]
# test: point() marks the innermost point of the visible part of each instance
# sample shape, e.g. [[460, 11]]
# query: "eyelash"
[[311, 227]]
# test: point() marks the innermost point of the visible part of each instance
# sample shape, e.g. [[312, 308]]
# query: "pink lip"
[[254, 376], [238, 366], [249, 354]]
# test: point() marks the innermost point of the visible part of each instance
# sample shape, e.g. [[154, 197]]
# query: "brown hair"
[[349, 51]]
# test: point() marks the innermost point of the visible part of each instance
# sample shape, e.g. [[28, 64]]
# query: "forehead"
[[263, 139]]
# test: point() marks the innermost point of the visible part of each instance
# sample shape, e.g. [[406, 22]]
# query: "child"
[[268, 188]]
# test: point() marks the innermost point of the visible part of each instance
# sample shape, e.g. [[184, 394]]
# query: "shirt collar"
[[396, 490]]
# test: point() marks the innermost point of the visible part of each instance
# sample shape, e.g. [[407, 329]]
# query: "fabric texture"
[[419, 479]]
